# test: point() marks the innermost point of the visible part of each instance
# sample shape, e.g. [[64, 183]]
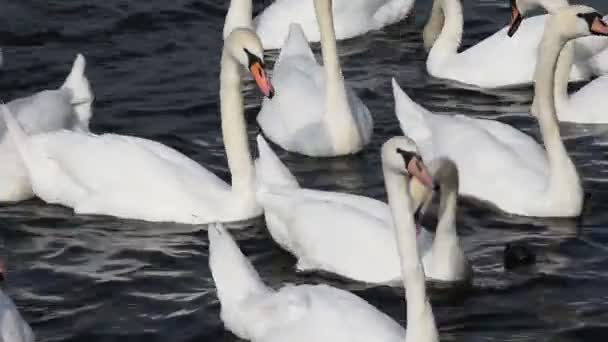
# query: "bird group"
[[47, 150]]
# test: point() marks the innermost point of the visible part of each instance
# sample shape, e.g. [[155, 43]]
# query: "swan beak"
[[599, 27], [2, 272], [516, 19], [261, 78], [417, 169]]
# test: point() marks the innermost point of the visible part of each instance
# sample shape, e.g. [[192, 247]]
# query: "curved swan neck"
[[338, 117], [551, 6], [433, 26], [420, 319], [560, 165], [234, 127], [239, 14], [562, 75], [448, 41], [447, 176]]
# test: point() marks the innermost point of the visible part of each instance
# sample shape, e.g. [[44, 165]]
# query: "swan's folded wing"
[[331, 314]]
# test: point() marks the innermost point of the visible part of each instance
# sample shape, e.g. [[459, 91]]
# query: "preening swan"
[[316, 313], [13, 328], [136, 178], [497, 61], [68, 107], [352, 18], [315, 113], [588, 104], [496, 162], [352, 235]]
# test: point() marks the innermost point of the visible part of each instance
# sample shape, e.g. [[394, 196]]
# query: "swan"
[[316, 113], [498, 163], [136, 178], [589, 50], [68, 107], [497, 61], [311, 313], [587, 105], [352, 18], [352, 235], [13, 328]]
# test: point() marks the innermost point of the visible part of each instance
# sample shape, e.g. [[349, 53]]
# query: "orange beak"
[[417, 169], [262, 80], [516, 19], [599, 27]]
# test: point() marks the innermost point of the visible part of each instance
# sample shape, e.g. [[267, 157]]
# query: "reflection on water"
[[154, 69]]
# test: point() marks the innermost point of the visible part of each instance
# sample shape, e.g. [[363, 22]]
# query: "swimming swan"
[[68, 107], [315, 113], [136, 178], [352, 235], [352, 18], [319, 313], [13, 328], [498, 163], [497, 61], [588, 104]]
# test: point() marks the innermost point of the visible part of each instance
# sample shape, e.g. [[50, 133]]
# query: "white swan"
[[49, 110], [315, 113], [352, 235], [13, 328], [352, 18], [497, 61], [498, 163], [136, 178], [588, 104], [315, 313], [591, 53]]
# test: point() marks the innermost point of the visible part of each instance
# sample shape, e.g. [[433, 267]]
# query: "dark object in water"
[[517, 255]]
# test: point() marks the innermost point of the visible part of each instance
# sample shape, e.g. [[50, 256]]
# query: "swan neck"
[[412, 271], [562, 75], [559, 161], [234, 127], [448, 41], [433, 26], [448, 202], [239, 14], [338, 118]]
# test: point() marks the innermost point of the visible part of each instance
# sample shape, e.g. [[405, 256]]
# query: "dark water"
[[154, 68]]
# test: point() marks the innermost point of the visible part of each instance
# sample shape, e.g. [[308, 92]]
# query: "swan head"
[[578, 21], [519, 8], [400, 155], [245, 47]]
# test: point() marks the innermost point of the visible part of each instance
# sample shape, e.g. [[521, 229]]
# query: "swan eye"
[[253, 59], [407, 156], [589, 17]]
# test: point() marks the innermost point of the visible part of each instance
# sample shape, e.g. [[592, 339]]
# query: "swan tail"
[[233, 274], [270, 171], [296, 44], [80, 90], [235, 279], [411, 115]]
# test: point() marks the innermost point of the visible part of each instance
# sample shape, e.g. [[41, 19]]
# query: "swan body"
[[13, 328], [136, 178], [315, 113], [347, 234], [316, 313], [499, 60], [68, 107], [352, 18]]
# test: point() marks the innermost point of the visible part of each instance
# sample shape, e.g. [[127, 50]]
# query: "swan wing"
[[324, 313]]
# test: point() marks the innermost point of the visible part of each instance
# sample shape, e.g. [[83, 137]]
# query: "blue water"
[[154, 68]]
